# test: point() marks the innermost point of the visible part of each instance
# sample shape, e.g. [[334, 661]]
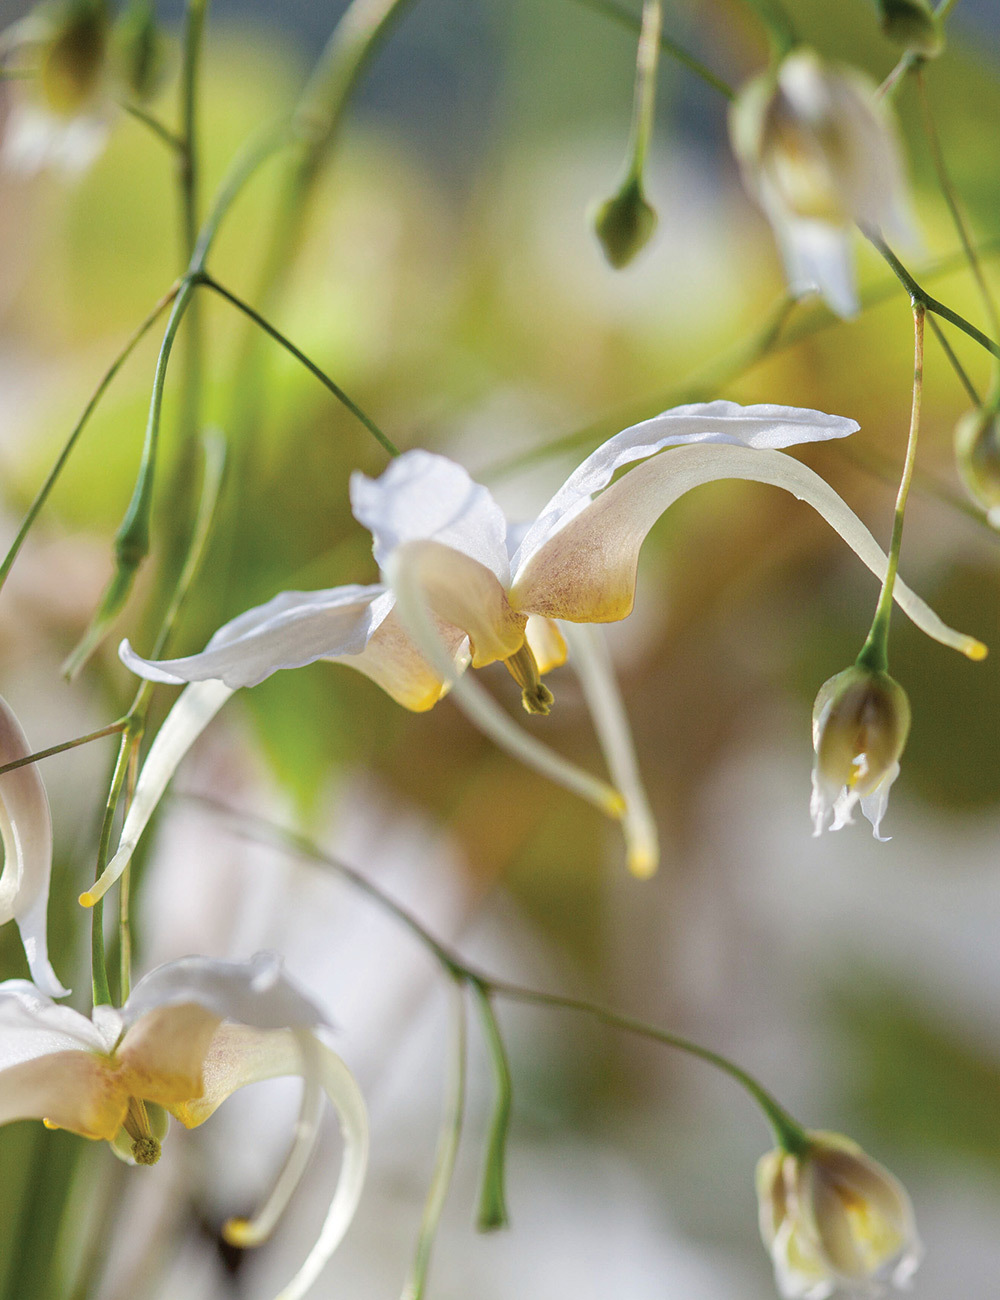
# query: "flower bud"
[[831, 1216], [73, 60], [818, 152], [911, 24], [624, 224], [138, 48], [861, 719], [977, 451]]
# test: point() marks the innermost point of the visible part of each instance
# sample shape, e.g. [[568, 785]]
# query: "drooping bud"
[[624, 224], [861, 720], [977, 451], [138, 50], [833, 1217], [73, 60], [911, 24]]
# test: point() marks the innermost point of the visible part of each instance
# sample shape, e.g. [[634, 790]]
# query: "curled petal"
[[161, 1055], [764, 427], [26, 828], [547, 643], [293, 629], [193, 710], [391, 660], [240, 1055], [817, 256], [71, 1089], [423, 497], [257, 992], [465, 594], [586, 572]]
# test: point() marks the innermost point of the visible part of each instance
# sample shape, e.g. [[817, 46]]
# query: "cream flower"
[[819, 153], [832, 1217], [461, 587], [192, 1032], [26, 829]]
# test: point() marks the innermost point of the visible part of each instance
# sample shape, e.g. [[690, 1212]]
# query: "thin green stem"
[[153, 123], [260, 830], [492, 1213], [43, 492], [919, 295], [191, 44], [102, 993], [956, 365], [875, 652], [112, 729], [644, 102], [299, 355], [447, 1148], [256, 152], [611, 9], [789, 1132]]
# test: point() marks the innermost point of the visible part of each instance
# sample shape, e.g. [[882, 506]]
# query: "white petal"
[[586, 572], [293, 629], [257, 992], [32, 1025], [391, 660], [422, 497], [591, 661], [239, 1056], [818, 256], [193, 710], [26, 828], [874, 805], [35, 139], [762, 426]]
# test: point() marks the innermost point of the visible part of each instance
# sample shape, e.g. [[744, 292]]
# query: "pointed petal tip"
[[643, 861], [975, 650]]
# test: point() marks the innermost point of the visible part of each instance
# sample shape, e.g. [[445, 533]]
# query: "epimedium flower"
[[26, 830], [58, 111], [818, 151], [192, 1032], [861, 720], [832, 1218], [461, 587]]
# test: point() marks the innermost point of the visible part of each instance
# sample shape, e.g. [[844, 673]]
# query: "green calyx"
[[624, 224], [912, 25]]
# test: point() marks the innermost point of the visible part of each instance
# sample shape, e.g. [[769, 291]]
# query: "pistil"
[[145, 1147], [535, 696]]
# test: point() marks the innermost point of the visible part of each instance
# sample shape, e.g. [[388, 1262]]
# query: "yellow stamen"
[[145, 1147], [536, 697]]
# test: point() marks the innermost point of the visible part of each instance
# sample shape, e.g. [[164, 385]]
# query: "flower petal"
[[465, 594], [26, 828], [586, 571], [193, 710], [546, 642], [75, 1090], [817, 256], [425, 497], [239, 1056], [765, 427], [161, 1055], [392, 661], [257, 992], [293, 629], [31, 1025]]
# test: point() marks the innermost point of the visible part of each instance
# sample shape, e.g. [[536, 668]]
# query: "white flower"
[[818, 151], [26, 828], [58, 113], [191, 1034], [861, 720], [460, 588], [832, 1217]]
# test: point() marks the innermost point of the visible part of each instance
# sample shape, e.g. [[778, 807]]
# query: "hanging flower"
[[460, 587], [818, 151], [833, 1218], [26, 829], [861, 719], [58, 111], [191, 1034]]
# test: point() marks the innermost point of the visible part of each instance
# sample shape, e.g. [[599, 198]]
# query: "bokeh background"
[[447, 278]]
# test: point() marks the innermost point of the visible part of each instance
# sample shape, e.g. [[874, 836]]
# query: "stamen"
[[145, 1148], [536, 697]]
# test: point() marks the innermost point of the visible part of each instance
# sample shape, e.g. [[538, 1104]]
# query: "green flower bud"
[[911, 24], [624, 224], [73, 61], [977, 451], [861, 719], [139, 51]]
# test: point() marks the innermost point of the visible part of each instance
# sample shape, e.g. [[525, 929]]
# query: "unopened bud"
[[861, 720], [624, 224], [977, 451], [72, 63], [911, 24], [139, 52]]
